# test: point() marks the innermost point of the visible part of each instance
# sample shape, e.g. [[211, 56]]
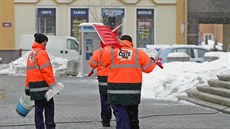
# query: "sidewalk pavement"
[[78, 107]]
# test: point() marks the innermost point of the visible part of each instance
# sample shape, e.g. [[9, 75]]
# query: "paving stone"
[[78, 107]]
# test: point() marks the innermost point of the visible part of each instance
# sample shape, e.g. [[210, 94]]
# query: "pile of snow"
[[176, 77], [213, 54], [18, 67], [178, 54]]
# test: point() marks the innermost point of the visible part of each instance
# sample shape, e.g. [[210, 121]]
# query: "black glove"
[[27, 92], [152, 59]]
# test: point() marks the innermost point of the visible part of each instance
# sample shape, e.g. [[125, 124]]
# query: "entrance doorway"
[[214, 34]]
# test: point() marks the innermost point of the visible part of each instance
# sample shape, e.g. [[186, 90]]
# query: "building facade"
[[7, 25], [206, 12], [147, 21]]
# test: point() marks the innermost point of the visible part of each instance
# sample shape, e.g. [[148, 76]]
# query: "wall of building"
[[215, 29], [226, 39], [218, 32], [207, 12], [7, 25], [164, 16], [181, 22], [166, 25]]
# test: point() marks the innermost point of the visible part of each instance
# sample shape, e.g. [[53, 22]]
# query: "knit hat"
[[39, 37], [126, 37]]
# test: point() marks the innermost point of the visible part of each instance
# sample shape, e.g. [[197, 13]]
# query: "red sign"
[[106, 35], [6, 24]]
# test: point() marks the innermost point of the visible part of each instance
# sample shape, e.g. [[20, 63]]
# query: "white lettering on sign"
[[125, 54], [46, 12], [113, 13], [79, 12], [145, 12], [144, 23]]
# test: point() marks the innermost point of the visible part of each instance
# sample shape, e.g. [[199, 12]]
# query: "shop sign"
[[6, 24]]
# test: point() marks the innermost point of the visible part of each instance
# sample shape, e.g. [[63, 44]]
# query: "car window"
[[163, 53], [185, 50], [152, 52], [72, 44], [199, 53]]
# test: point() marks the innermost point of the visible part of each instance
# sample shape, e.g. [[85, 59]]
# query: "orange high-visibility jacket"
[[125, 74], [39, 74], [102, 71], [127, 65], [95, 62]]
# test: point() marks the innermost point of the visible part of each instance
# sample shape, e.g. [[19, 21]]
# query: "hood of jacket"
[[38, 46]]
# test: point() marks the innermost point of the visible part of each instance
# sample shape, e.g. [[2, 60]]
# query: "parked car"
[[160, 52]]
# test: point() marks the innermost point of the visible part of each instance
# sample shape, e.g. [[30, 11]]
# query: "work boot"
[[105, 123]]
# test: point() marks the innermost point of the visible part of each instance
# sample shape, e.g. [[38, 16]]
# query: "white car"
[[160, 52]]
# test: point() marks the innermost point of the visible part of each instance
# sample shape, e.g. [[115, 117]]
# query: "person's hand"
[[160, 65], [158, 62], [27, 92], [152, 59]]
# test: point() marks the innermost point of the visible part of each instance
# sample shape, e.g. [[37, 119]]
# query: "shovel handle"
[[90, 73]]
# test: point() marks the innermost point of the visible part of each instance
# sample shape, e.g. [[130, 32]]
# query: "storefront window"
[[145, 27], [78, 16], [46, 21], [113, 17]]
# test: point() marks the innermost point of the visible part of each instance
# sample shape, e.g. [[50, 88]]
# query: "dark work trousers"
[[133, 116], [126, 116], [106, 112], [40, 106]]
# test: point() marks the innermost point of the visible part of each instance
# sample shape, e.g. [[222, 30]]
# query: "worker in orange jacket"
[[39, 79], [102, 72], [125, 81]]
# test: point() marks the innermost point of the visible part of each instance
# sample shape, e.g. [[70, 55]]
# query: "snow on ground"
[[167, 83], [176, 77], [18, 66]]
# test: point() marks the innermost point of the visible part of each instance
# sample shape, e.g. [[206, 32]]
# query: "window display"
[[113, 17], [145, 27], [46, 21], [78, 16]]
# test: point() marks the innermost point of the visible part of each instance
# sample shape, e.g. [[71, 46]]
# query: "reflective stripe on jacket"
[[95, 62], [125, 75], [102, 71], [39, 74], [102, 83]]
